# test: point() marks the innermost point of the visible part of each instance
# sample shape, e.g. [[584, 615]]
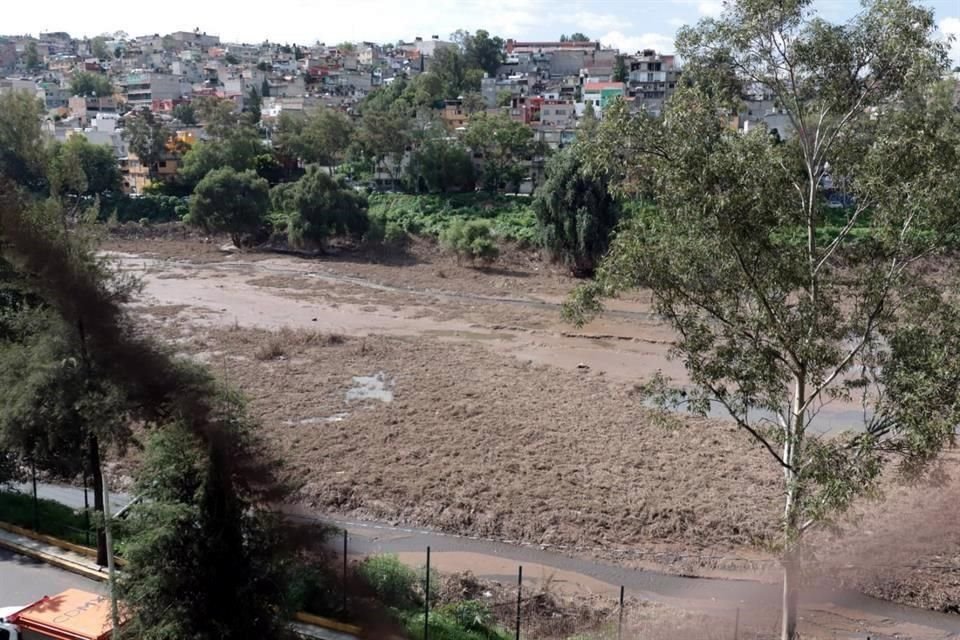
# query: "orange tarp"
[[71, 615]]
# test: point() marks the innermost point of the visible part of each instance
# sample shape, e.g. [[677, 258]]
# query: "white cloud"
[[950, 26], [589, 21], [677, 22], [710, 8], [660, 42]]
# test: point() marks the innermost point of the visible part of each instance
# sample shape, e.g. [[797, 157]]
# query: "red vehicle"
[[71, 615]]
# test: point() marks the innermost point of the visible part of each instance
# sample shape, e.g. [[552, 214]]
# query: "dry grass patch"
[[483, 444]]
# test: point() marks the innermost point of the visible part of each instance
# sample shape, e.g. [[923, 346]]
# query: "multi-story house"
[[453, 115], [141, 88], [653, 79], [86, 109], [600, 95], [55, 96], [556, 113], [195, 39], [514, 47], [8, 85]]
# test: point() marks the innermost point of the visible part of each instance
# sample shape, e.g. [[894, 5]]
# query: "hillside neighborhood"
[[92, 87], [482, 335]]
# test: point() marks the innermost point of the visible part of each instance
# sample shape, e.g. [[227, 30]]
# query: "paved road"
[[498, 560], [23, 580], [70, 496]]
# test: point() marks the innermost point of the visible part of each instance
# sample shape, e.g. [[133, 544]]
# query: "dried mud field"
[[407, 388]]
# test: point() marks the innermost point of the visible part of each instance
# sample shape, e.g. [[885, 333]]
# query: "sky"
[[629, 25]]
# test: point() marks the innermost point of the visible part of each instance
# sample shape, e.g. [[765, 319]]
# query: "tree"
[[231, 202], [322, 207], [578, 37], [483, 52], [253, 105], [59, 406], [779, 305], [159, 390], [439, 166], [587, 127], [186, 113], [58, 410], [265, 89], [450, 66], [23, 155], [231, 59], [90, 84], [473, 103], [31, 57], [219, 115], [506, 145], [238, 148], [97, 164], [195, 531], [147, 137], [504, 98], [321, 137], [98, 47], [384, 135], [620, 70], [576, 213]]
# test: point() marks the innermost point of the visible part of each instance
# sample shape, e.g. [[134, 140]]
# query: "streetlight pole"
[[114, 610]]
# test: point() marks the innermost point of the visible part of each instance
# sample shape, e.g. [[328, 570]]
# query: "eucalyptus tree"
[[779, 303]]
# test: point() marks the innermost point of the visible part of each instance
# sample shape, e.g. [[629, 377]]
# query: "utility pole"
[[114, 609]]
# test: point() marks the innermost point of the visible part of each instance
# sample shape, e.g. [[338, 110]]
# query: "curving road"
[[499, 560], [23, 580]]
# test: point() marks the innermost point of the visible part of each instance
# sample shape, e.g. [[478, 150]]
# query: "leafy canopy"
[[320, 207], [506, 145], [576, 213], [780, 304], [232, 202], [85, 83]]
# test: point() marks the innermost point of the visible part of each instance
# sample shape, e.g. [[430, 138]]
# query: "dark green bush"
[[393, 582], [472, 239], [511, 218], [153, 207]]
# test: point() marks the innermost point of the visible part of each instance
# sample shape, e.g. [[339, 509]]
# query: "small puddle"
[[467, 335], [375, 387], [337, 417]]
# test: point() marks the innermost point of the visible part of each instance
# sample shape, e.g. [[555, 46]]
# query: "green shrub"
[[382, 231], [393, 582], [472, 239], [472, 615], [444, 626], [511, 218], [313, 590], [152, 207], [53, 518]]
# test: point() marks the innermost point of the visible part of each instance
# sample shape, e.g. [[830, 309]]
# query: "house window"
[[596, 103]]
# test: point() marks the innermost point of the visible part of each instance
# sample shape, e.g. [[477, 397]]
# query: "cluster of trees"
[[86, 83], [75, 168], [76, 375], [778, 307]]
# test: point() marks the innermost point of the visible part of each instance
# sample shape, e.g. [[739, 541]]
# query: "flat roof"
[[71, 615], [595, 86]]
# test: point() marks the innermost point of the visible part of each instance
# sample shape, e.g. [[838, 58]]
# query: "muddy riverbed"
[[502, 421]]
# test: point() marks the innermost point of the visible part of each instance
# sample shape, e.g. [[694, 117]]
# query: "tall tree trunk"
[[93, 446], [791, 589], [791, 511]]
